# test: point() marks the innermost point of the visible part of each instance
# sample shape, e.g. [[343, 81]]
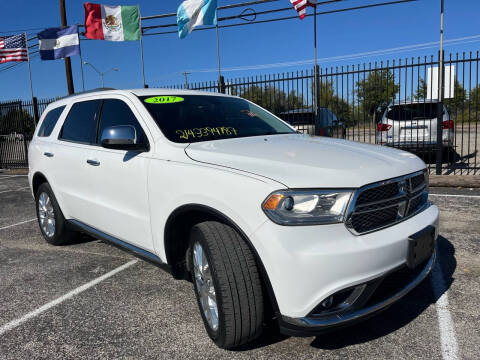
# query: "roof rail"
[[85, 92]]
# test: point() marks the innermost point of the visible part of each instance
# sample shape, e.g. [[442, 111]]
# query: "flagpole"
[[29, 68], [218, 57], [141, 48], [81, 64], [316, 65]]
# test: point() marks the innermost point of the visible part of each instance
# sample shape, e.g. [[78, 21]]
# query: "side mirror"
[[122, 137]]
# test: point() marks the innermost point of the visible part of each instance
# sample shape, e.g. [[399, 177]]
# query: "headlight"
[[308, 207]]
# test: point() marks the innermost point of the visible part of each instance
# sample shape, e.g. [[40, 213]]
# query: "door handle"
[[48, 154], [93, 162]]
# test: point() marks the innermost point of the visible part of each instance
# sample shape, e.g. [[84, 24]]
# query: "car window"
[[195, 118], [50, 121], [418, 111], [81, 122], [116, 112], [327, 116]]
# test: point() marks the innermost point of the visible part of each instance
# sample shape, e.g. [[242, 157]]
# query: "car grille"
[[386, 203]]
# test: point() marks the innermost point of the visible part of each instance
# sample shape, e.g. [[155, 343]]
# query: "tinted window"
[[412, 111], [116, 112], [81, 122], [50, 121], [194, 118], [327, 117]]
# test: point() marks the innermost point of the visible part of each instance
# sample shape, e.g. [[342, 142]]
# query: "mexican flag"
[[114, 23]]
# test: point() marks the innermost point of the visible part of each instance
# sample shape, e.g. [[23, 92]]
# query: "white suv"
[[412, 125], [313, 232]]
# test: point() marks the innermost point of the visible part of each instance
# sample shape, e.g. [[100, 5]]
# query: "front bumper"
[[310, 326], [307, 264], [419, 145]]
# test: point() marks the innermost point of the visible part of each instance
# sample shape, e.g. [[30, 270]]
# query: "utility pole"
[[186, 78], [438, 167], [317, 123], [68, 64]]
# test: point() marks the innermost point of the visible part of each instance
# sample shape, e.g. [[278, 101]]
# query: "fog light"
[[327, 302]]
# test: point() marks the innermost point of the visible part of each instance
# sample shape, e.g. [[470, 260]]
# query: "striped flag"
[[13, 48], [192, 13], [301, 6], [59, 43]]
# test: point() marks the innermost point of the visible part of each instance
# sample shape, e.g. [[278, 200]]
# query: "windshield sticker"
[[196, 133], [164, 99]]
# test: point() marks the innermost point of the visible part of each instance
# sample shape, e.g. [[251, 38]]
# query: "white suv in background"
[[314, 232], [412, 125]]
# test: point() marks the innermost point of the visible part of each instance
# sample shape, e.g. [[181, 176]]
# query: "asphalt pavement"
[[92, 300]]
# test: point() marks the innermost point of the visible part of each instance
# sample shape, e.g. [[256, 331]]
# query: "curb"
[[14, 171], [461, 181]]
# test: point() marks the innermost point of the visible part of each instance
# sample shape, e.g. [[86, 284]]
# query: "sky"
[[342, 39]]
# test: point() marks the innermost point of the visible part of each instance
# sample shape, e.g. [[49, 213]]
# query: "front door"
[[119, 180]]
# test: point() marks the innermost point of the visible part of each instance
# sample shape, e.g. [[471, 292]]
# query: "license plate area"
[[420, 246]]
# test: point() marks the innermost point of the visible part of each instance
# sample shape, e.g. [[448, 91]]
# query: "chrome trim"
[[339, 319], [351, 206]]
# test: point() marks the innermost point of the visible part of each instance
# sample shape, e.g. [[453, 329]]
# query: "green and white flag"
[[114, 23]]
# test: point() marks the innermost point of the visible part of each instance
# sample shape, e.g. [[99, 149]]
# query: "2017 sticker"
[[164, 99]]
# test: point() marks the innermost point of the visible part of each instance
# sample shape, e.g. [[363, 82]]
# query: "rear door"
[[70, 172], [119, 193]]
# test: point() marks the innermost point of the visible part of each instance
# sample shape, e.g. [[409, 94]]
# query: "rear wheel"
[[50, 218], [227, 284]]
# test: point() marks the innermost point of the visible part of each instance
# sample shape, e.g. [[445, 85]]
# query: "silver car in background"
[[412, 125]]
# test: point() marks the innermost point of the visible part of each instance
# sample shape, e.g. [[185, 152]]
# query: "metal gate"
[[16, 129]]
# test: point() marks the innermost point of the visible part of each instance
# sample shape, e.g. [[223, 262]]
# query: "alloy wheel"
[[46, 214], [205, 288]]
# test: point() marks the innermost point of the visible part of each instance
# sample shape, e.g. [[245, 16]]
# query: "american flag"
[[301, 5], [13, 48]]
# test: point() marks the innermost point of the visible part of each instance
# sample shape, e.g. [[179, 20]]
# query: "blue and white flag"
[[192, 13], [59, 43]]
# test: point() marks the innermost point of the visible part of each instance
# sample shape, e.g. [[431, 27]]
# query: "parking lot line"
[[19, 223], [19, 189], [459, 196], [13, 324], [448, 339]]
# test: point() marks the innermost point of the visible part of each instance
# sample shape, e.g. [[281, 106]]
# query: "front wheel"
[[227, 284]]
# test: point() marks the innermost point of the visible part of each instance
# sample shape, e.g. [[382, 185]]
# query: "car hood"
[[303, 161]]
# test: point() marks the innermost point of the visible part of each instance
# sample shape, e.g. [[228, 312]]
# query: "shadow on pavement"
[[452, 161]]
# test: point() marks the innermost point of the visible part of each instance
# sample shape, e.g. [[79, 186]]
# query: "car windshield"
[[412, 111], [195, 118]]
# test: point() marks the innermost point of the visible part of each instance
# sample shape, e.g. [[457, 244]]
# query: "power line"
[[386, 51], [285, 18], [240, 16]]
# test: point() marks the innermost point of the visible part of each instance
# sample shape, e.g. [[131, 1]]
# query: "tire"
[[236, 284], [47, 208]]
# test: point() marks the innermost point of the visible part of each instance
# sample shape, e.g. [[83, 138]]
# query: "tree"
[[329, 99], [474, 99], [421, 93], [377, 89], [17, 121], [272, 99], [456, 104]]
